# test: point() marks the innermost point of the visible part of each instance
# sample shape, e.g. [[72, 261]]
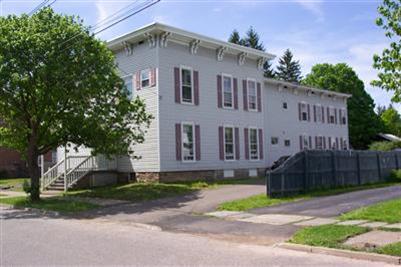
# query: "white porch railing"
[[75, 168]]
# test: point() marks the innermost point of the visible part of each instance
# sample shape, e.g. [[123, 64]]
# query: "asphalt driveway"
[[330, 206]]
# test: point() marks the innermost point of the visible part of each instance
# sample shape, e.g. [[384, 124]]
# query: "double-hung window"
[[252, 95], [253, 144], [187, 93], [304, 112], [305, 140], [332, 118], [319, 113], [343, 117], [229, 143], [128, 85], [188, 148], [345, 144], [228, 94], [319, 142], [145, 78]]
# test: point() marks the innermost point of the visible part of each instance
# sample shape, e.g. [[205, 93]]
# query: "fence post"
[[333, 168], [358, 168], [306, 171], [282, 184], [379, 171]]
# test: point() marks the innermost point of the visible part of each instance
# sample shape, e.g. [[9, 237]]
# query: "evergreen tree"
[[269, 72], [252, 40], [288, 69], [235, 38]]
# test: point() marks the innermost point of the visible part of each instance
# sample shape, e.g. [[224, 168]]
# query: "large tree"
[[389, 62], [252, 40], [289, 69], [60, 84], [391, 120], [364, 123]]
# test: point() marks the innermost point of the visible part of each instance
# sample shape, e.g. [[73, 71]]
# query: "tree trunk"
[[34, 172]]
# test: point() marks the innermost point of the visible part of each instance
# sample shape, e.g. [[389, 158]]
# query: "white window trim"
[[232, 90], [256, 94], [305, 137], [224, 141], [333, 143], [182, 141], [306, 107], [342, 145], [322, 146], [257, 143], [148, 71], [182, 67], [344, 115], [332, 110]]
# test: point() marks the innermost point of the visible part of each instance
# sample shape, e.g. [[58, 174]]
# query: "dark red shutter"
[[260, 144], [153, 77], [316, 141], [337, 143], [245, 92], [341, 143], [299, 111], [341, 117], [235, 93], [330, 143], [324, 142], [177, 85], [196, 88], [322, 114], [246, 143], [259, 96], [308, 112], [138, 80], [301, 142], [237, 147], [219, 92], [197, 142], [221, 143], [310, 142], [178, 141], [314, 113]]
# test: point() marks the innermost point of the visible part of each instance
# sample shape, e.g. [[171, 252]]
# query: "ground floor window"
[[229, 143], [188, 142], [253, 143], [319, 142]]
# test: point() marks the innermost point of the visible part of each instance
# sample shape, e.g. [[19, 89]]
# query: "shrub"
[[395, 175], [26, 186], [3, 174], [385, 146]]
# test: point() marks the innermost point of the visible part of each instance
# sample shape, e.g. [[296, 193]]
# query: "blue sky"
[[316, 31]]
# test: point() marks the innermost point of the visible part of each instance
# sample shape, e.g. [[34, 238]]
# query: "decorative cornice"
[[241, 58], [220, 53], [261, 62], [164, 39], [152, 39], [193, 46], [128, 47]]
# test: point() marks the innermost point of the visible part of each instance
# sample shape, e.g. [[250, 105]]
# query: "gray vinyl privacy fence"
[[320, 169]]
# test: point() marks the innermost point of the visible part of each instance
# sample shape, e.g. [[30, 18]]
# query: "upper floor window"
[[287, 142], [252, 95], [319, 113], [228, 95], [253, 143], [285, 105], [188, 149], [145, 78], [186, 85], [343, 116], [332, 115], [128, 85], [319, 142], [304, 112], [229, 143]]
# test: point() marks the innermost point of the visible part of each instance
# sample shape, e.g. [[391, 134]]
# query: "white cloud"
[[314, 7]]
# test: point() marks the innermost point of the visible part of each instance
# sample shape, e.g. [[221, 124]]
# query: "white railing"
[[75, 168]]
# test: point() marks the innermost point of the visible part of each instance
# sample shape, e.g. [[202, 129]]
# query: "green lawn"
[[54, 204], [261, 200], [15, 183], [331, 236], [389, 211], [148, 191], [392, 249]]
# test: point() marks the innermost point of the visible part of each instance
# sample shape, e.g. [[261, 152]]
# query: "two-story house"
[[215, 115]]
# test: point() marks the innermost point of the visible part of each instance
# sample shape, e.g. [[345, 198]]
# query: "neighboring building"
[[215, 115]]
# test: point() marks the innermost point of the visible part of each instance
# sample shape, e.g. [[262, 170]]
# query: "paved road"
[[334, 205], [28, 238]]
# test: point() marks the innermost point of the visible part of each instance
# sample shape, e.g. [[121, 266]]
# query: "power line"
[[45, 3]]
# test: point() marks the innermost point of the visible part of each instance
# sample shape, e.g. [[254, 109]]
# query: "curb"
[[343, 253]]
